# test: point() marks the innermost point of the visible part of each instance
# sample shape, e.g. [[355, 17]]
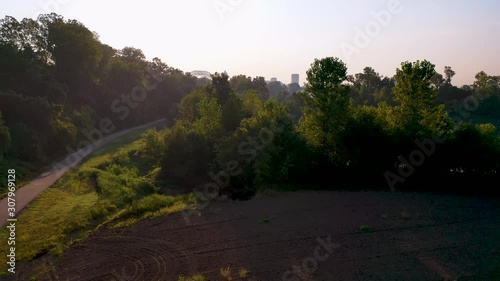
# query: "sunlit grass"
[[244, 272], [45, 224], [113, 188], [180, 203], [197, 277], [226, 273], [114, 145]]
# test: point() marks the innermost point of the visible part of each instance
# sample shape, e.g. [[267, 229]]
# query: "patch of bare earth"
[[409, 237]]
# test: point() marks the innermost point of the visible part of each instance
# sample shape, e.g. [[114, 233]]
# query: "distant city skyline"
[[206, 74], [193, 34]]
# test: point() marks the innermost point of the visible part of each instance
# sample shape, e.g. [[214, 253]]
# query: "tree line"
[[57, 80], [410, 139]]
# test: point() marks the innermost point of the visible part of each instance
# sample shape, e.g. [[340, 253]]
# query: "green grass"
[[122, 141], [113, 188], [226, 273], [365, 228], [265, 221], [52, 217], [27, 171], [244, 273]]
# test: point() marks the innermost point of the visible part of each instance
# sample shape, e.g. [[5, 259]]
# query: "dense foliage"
[[59, 83], [413, 138], [413, 130]]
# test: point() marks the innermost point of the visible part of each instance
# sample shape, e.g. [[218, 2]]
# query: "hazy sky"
[[275, 38]]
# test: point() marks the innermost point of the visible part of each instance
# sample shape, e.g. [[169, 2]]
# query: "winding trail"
[[27, 193]]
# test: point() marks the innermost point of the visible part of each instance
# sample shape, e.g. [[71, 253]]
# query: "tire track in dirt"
[[443, 236], [130, 259]]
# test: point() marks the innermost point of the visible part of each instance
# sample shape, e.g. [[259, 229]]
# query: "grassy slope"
[[114, 187], [26, 171]]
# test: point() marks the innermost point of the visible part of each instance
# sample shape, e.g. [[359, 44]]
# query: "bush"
[[187, 156], [265, 149], [369, 146], [232, 113], [469, 157], [114, 189], [474, 149], [154, 146], [98, 211], [26, 143], [151, 203], [145, 188], [86, 173]]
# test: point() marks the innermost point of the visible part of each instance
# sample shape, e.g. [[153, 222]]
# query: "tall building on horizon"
[[274, 79], [295, 78]]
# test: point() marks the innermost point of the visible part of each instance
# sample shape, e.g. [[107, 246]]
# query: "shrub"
[[264, 149], [187, 155], [151, 203], [98, 211], [154, 146], [145, 188], [78, 219], [113, 188], [26, 143]]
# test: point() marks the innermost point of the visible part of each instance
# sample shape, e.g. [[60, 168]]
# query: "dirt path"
[[412, 237], [30, 191]]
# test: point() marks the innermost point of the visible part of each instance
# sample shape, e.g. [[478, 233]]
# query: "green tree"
[[241, 83], [437, 81], [232, 113], [295, 105], [220, 82], [266, 147], [486, 85], [276, 87], [187, 109], [385, 94], [154, 146], [449, 73], [209, 123], [189, 145], [486, 88], [252, 103], [418, 113], [260, 85], [327, 104], [133, 55], [5, 140], [27, 36], [294, 88], [26, 143], [76, 52], [365, 86]]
